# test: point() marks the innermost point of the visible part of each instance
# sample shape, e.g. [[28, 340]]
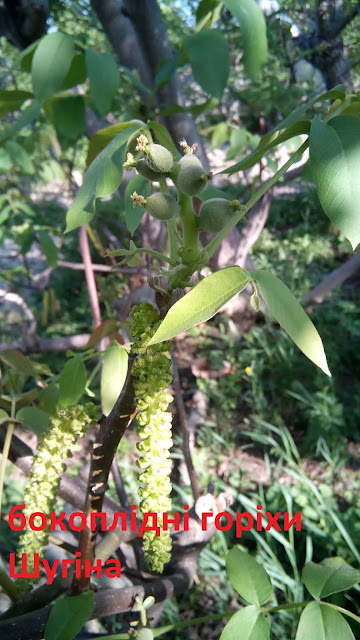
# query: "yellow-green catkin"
[[152, 373], [48, 465]]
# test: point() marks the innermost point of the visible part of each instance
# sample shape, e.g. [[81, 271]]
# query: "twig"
[[195, 485], [89, 275]]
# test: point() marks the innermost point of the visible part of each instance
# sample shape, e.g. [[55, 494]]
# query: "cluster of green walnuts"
[[190, 179]]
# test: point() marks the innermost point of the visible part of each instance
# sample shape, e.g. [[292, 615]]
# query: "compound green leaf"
[[72, 382], [248, 577], [335, 165], [253, 625], [202, 302], [103, 74], [291, 317], [208, 53], [51, 63], [253, 28], [102, 177], [134, 215], [113, 375], [329, 576], [323, 623], [68, 616]]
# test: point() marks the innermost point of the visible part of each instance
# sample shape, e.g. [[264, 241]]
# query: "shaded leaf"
[[165, 70], [202, 302], [68, 616], [11, 100], [27, 117], [69, 118], [208, 53], [48, 398], [103, 75], [248, 577], [320, 621], [331, 575], [48, 248], [291, 317], [253, 625], [163, 137], [238, 142], [51, 63], [15, 359], [35, 418], [72, 382], [113, 375], [77, 72], [253, 28], [335, 165], [20, 157]]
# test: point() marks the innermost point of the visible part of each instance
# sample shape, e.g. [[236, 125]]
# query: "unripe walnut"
[[215, 213], [158, 158], [192, 179], [190, 159], [144, 169], [162, 206]]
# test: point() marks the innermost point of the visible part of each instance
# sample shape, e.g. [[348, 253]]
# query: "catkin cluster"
[[152, 372], [48, 465]]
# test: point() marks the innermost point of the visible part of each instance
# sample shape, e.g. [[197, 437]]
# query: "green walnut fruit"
[[162, 206], [215, 213], [192, 179], [189, 159], [147, 172], [158, 158]]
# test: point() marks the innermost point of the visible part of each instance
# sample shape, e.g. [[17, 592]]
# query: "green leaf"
[[291, 317], [299, 112], [5, 161], [238, 142], [102, 138], [51, 63], [113, 375], [207, 13], [220, 135], [20, 157], [248, 577], [12, 100], [322, 623], [48, 398], [72, 382], [4, 417], [77, 72], [15, 359], [69, 118], [330, 576], [27, 117], [208, 53], [34, 418], [134, 215], [335, 164], [163, 137], [253, 29], [103, 74], [48, 248], [202, 302], [68, 616], [101, 178], [253, 625], [271, 140], [165, 70]]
